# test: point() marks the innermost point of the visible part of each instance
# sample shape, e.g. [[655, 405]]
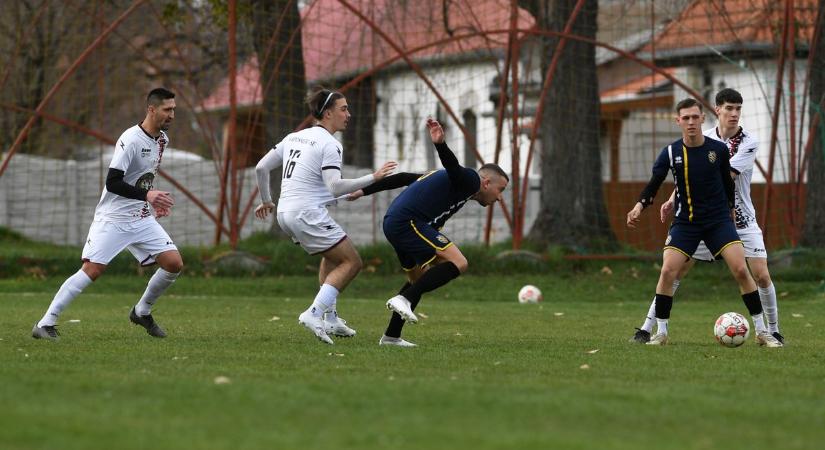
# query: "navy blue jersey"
[[704, 187], [436, 196]]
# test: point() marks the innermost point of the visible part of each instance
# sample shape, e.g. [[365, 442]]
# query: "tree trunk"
[[572, 211], [812, 235], [283, 86]]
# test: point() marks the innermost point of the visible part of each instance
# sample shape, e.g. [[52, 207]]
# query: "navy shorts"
[[415, 241], [684, 237]]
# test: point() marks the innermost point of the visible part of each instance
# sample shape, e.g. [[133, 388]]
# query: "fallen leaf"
[[274, 318], [584, 366], [797, 315], [222, 380], [422, 315], [783, 294], [74, 320], [595, 350], [558, 314], [606, 271]]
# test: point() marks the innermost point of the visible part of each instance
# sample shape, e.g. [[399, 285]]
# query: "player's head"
[[330, 108], [493, 182], [728, 108], [160, 108], [690, 117]]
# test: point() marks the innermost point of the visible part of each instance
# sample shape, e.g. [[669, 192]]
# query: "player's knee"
[[356, 263], [762, 278], [175, 266], [461, 264]]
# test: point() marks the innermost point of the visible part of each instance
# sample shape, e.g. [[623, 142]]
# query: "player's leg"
[[757, 259], [151, 244], [333, 324], [103, 243], [673, 260], [449, 264], [644, 333], [767, 294], [392, 336]]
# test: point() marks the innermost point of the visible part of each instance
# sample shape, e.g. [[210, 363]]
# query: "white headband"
[[321, 109]]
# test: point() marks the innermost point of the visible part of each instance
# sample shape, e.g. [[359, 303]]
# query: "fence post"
[[72, 220]]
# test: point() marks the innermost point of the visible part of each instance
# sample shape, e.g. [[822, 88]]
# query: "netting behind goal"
[[578, 148]]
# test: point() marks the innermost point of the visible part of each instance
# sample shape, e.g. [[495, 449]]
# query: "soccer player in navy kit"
[[704, 198], [413, 221]]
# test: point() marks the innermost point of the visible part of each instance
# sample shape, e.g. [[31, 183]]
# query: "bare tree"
[[277, 40], [812, 234], [572, 210]]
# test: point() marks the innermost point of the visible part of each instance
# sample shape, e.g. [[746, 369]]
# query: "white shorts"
[[144, 238], [751, 238], [313, 229]]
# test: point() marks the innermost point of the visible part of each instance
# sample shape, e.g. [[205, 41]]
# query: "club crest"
[[712, 157]]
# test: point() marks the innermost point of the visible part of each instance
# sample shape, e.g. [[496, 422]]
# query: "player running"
[[123, 219], [311, 181]]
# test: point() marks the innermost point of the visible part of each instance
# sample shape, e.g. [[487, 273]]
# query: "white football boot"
[[337, 326], [315, 325], [398, 342], [401, 305], [658, 339]]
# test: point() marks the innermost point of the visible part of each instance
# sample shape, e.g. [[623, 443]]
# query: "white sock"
[[662, 325], [651, 312], [768, 298], [324, 300], [70, 289], [650, 319], [157, 284], [759, 323]]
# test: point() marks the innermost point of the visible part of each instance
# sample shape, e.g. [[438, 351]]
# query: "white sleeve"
[[745, 157], [122, 156], [271, 161], [339, 186]]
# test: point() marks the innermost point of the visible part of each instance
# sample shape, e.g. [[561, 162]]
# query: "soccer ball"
[[529, 294], [731, 329]]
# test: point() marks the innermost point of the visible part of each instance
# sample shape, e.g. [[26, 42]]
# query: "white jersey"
[[742, 147], [138, 155], [305, 155]]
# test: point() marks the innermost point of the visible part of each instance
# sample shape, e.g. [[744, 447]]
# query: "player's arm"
[[116, 184], [649, 192], [271, 161], [339, 186], [445, 155], [394, 181]]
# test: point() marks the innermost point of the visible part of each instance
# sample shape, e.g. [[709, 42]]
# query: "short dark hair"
[[728, 95], [158, 95], [495, 168], [688, 103], [320, 99]]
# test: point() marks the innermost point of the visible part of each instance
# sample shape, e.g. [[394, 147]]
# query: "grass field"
[[488, 372]]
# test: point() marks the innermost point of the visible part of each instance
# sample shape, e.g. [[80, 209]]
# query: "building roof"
[[337, 43], [637, 88], [713, 26]]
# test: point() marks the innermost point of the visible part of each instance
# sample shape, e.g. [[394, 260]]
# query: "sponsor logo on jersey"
[[441, 238], [677, 160], [712, 157], [144, 152]]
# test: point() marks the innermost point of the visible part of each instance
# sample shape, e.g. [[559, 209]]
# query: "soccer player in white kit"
[[743, 147], [123, 219], [311, 181]]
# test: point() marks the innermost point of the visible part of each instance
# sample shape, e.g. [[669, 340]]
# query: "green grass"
[[488, 372]]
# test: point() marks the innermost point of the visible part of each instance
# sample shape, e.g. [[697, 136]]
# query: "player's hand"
[[264, 209], [162, 212], [385, 170], [436, 131], [665, 211], [633, 215], [160, 199], [355, 195]]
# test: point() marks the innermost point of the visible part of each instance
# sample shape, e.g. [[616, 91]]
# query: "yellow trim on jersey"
[[677, 249], [412, 224], [425, 175], [726, 246], [687, 185]]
